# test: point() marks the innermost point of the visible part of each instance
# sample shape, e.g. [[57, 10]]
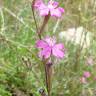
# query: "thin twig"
[[32, 6], [56, 25]]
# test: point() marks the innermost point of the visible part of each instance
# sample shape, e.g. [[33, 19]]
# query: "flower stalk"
[[48, 70]]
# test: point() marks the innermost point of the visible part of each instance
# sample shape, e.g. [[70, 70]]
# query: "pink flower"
[[83, 80], [37, 3], [51, 8], [90, 60], [95, 78], [87, 74], [49, 47]]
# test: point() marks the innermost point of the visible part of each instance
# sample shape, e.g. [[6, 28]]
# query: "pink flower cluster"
[[49, 47], [51, 8], [90, 61], [86, 75]]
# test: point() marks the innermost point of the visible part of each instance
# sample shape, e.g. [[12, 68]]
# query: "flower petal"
[[55, 4], [58, 53], [59, 46], [50, 41], [43, 10], [55, 12], [38, 3], [52, 4], [46, 52], [61, 10], [41, 44]]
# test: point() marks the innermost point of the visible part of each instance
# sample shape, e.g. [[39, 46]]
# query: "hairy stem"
[[33, 2]]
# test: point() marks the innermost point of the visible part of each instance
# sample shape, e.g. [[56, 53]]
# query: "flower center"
[[51, 41]]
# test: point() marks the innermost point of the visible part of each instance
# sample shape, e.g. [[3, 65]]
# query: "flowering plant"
[[51, 8], [48, 44], [49, 47]]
